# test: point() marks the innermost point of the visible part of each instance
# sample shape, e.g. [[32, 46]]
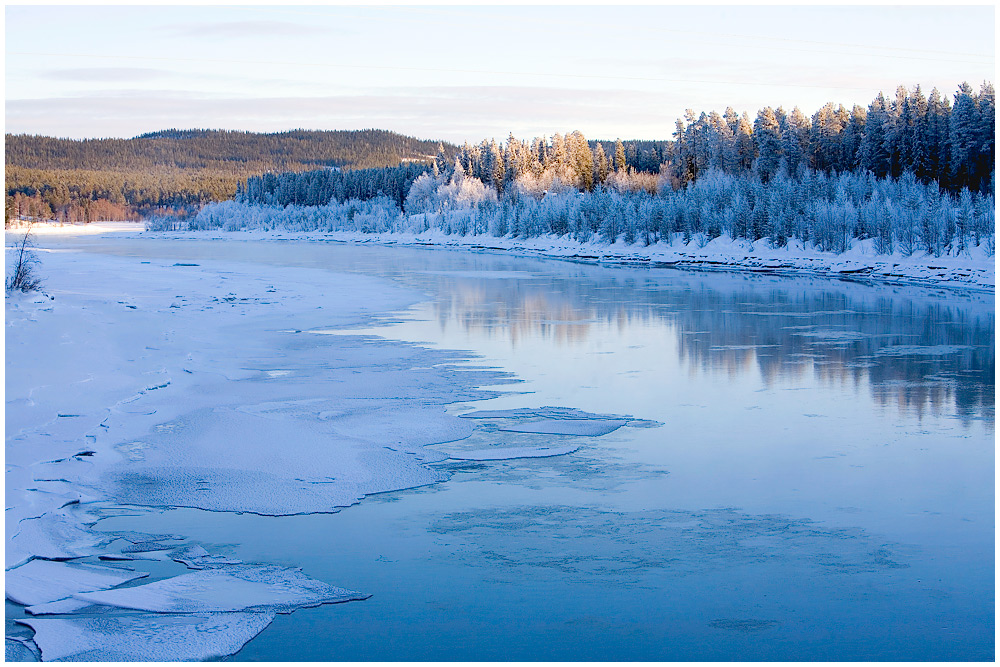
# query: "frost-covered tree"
[[619, 156], [767, 136]]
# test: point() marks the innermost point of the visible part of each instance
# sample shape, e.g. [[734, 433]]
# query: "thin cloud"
[[245, 29], [105, 74], [452, 114]]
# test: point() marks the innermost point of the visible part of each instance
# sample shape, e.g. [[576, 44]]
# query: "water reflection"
[[922, 352]]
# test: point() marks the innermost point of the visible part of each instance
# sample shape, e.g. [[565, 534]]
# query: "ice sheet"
[[40, 581], [231, 588], [146, 638]]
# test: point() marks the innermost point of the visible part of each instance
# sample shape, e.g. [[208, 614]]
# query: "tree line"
[[951, 143], [830, 212], [314, 188]]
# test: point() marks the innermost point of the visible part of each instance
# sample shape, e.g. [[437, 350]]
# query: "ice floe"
[[921, 350], [146, 638], [41, 581], [233, 588], [228, 460], [560, 420]]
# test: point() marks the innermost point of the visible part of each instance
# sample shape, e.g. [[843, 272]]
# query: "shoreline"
[[860, 264]]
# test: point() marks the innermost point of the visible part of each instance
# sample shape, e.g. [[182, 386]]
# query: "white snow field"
[[211, 385]]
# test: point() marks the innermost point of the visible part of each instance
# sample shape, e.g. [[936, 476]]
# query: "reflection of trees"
[[515, 312], [843, 335]]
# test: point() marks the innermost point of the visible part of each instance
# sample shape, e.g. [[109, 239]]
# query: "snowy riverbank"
[[974, 269]]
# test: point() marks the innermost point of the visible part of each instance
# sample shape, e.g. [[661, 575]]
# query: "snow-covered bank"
[[974, 270]]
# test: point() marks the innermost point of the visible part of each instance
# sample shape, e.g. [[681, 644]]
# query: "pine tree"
[[745, 148], [581, 160], [963, 136], [986, 140], [767, 136], [795, 139], [601, 166], [620, 156], [874, 157]]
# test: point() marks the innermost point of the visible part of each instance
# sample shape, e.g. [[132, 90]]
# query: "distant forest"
[[179, 170]]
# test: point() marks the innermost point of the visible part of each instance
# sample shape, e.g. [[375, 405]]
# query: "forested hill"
[[221, 151], [175, 169]]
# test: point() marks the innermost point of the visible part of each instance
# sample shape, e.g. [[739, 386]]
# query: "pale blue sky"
[[468, 72]]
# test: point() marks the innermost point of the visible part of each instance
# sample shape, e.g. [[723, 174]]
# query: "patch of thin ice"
[[495, 275], [921, 350], [505, 453], [589, 427], [146, 638], [197, 465], [544, 412]]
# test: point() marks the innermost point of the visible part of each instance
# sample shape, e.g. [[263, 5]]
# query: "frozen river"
[[822, 487]]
